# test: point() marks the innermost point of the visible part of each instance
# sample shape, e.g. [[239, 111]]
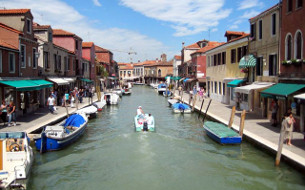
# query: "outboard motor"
[[108, 99], [145, 127]]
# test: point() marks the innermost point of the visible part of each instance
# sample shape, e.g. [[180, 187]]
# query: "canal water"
[[179, 155]]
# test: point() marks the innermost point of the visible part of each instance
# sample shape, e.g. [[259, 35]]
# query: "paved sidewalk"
[[42, 117], [256, 128]]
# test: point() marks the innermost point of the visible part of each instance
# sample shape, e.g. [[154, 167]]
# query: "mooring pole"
[[242, 123], [207, 110], [232, 117], [200, 108], [280, 147]]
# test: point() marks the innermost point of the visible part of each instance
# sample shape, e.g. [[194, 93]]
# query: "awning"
[[58, 81], [86, 80], [22, 85], [70, 80], [300, 96], [185, 79], [191, 80], [281, 90], [42, 83], [176, 78], [247, 61], [235, 83], [254, 86]]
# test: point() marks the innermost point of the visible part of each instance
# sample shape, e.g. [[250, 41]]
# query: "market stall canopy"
[[86, 80], [247, 61], [254, 86], [27, 85], [281, 90], [300, 96], [58, 81], [235, 83]]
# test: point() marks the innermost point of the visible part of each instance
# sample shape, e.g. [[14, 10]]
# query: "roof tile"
[[13, 11]]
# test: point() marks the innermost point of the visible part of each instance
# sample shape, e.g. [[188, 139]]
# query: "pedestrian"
[[72, 100], [51, 103], [201, 93], [3, 112], [11, 108], [194, 91], [180, 90], [288, 127], [80, 95], [274, 109]]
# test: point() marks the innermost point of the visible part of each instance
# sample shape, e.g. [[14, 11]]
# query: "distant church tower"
[[163, 58]]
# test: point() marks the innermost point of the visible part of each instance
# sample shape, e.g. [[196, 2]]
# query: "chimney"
[[182, 45]]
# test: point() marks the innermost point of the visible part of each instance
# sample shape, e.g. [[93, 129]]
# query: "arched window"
[[159, 73], [298, 45], [288, 47]]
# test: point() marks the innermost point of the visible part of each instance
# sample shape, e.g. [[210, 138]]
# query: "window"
[[208, 88], [272, 65], [34, 58], [215, 87], [23, 56], [28, 26], [259, 66], [66, 63], [273, 23], [239, 54], [74, 64], [211, 87], [50, 36], [224, 88], [215, 60], [223, 58], [11, 60], [233, 55], [289, 6], [209, 61], [245, 50], [219, 90], [253, 32], [298, 45], [124, 73], [69, 62], [59, 62], [159, 73], [76, 44], [121, 72], [219, 58], [299, 3], [46, 60], [260, 29], [288, 47], [0, 61]]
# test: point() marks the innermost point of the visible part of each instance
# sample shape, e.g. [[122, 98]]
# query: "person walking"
[[3, 112], [11, 108], [51, 103]]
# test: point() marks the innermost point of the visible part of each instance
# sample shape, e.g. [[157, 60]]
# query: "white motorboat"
[[17, 158], [154, 85], [99, 105], [117, 91], [172, 101], [161, 88], [126, 91], [90, 111], [111, 98]]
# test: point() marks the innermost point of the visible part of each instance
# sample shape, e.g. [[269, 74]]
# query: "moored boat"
[[90, 111], [111, 98], [161, 88], [167, 93], [221, 133], [17, 158], [144, 122], [172, 101], [99, 105], [117, 91], [181, 108], [56, 137], [126, 91]]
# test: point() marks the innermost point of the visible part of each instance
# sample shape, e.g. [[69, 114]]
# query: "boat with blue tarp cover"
[[221, 133], [56, 137], [161, 88], [181, 108]]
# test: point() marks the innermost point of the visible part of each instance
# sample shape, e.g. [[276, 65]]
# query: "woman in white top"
[[140, 111]]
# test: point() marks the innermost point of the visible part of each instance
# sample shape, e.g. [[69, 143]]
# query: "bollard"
[[232, 117], [280, 147], [242, 123], [200, 108]]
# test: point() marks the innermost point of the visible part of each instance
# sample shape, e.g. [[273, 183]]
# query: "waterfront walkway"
[[41, 117], [256, 128]]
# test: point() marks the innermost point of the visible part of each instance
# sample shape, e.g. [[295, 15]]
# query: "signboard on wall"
[[266, 73]]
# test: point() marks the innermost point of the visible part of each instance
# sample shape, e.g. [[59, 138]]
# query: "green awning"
[[247, 61], [281, 90], [42, 83], [235, 83], [176, 78], [22, 85], [86, 80]]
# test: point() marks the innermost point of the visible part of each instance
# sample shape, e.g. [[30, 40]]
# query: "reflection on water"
[[179, 155]]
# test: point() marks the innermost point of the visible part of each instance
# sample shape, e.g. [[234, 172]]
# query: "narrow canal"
[[179, 155]]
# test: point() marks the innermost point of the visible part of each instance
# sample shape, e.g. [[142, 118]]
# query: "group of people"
[[8, 113], [196, 90], [141, 115]]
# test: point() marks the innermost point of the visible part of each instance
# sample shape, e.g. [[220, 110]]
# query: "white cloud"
[[187, 17], [61, 15], [214, 30], [234, 26], [247, 4], [97, 3], [249, 14]]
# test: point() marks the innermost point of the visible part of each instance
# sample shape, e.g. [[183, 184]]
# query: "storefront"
[[233, 98], [301, 101], [61, 87], [284, 94], [249, 96]]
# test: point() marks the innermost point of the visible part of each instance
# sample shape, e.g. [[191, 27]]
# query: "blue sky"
[[147, 27]]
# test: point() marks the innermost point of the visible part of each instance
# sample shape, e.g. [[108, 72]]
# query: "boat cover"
[[87, 110], [167, 92], [74, 120], [220, 129], [180, 106], [161, 86]]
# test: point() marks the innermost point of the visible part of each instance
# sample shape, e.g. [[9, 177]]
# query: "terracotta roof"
[[120, 64], [13, 11], [86, 59], [62, 48], [195, 45], [7, 45], [210, 45], [100, 49], [41, 27], [60, 32], [234, 33], [9, 28], [177, 57], [126, 67], [87, 44]]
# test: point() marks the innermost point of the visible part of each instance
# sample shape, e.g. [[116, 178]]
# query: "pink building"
[[88, 51]]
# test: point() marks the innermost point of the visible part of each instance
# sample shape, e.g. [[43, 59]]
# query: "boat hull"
[[222, 140], [140, 126], [182, 111]]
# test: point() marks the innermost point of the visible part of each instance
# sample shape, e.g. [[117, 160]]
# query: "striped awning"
[[247, 61]]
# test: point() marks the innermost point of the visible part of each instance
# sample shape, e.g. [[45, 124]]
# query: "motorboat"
[[126, 91], [56, 137], [167, 93], [154, 85], [138, 83], [111, 98], [172, 101], [181, 108], [143, 123], [100, 104], [16, 160], [117, 91], [161, 88], [90, 111]]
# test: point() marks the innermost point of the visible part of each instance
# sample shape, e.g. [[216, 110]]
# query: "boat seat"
[[11, 142]]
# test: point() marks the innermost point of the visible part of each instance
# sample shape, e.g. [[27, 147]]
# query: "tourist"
[[274, 109], [3, 111], [11, 108], [194, 91], [140, 111], [80, 95], [51, 103], [180, 90], [201, 92]]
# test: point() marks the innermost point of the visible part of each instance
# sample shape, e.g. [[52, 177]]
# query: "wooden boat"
[[56, 137], [17, 158], [181, 108], [161, 88], [221, 133], [141, 123], [167, 93]]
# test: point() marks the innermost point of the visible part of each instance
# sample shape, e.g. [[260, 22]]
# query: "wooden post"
[[232, 117], [206, 111], [200, 108], [280, 147], [194, 102], [67, 110], [182, 96], [242, 123], [76, 102]]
